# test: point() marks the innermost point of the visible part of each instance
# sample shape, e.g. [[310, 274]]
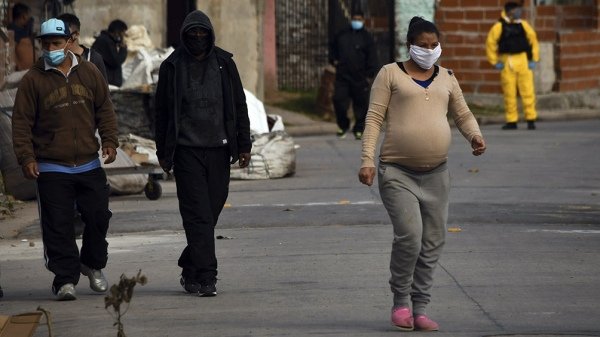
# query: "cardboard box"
[[22, 325]]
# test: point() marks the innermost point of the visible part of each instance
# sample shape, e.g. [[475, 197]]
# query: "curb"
[[318, 128], [548, 115]]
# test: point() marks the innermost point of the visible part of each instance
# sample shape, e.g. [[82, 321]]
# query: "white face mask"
[[425, 57]]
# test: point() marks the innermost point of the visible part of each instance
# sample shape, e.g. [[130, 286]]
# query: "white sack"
[[256, 114], [124, 183], [273, 156]]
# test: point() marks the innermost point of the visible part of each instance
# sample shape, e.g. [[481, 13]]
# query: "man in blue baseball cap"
[[59, 105]]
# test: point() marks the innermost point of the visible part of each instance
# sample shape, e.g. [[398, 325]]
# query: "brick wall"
[[577, 61], [464, 25]]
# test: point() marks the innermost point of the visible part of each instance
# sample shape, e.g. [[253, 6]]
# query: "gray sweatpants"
[[417, 203]]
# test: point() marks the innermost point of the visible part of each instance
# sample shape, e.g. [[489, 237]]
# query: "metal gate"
[[379, 21], [304, 29], [301, 28]]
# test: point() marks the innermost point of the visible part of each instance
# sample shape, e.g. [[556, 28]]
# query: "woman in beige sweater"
[[414, 98]]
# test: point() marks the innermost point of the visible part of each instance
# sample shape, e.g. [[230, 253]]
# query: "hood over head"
[[197, 19]]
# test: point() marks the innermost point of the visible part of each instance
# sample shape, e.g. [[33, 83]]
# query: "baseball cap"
[[54, 27]]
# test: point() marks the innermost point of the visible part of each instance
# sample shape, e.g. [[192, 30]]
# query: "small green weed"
[[485, 110], [122, 293]]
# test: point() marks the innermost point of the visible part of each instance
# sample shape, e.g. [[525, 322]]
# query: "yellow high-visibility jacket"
[[491, 44]]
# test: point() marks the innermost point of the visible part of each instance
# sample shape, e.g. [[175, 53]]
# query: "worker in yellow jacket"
[[512, 47]]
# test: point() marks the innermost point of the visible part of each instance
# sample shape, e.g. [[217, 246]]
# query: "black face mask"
[[197, 46]]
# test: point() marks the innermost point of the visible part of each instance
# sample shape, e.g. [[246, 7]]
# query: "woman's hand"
[[478, 145], [366, 175]]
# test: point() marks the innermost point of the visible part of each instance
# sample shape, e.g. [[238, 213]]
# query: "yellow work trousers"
[[516, 77]]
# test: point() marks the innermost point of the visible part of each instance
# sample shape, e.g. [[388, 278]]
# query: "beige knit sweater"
[[417, 133]]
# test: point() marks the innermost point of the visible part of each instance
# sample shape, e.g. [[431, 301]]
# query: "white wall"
[[237, 23], [404, 11], [95, 15], [545, 75], [238, 29]]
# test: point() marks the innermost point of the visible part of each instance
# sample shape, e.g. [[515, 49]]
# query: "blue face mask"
[[55, 57], [356, 24], [517, 14]]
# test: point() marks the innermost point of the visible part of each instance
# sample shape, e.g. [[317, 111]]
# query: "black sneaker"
[[190, 287], [509, 126], [341, 133], [208, 288], [530, 125], [358, 135]]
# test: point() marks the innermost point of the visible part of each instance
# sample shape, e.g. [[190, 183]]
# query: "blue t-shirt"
[[50, 167], [425, 83]]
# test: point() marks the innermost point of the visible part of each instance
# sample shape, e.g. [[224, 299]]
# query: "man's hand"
[[366, 175], [110, 154], [165, 165], [244, 159], [478, 145], [30, 171]]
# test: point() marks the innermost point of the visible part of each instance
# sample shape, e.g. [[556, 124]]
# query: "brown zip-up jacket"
[[55, 117]]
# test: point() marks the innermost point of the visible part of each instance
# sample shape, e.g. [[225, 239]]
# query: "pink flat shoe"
[[402, 319], [424, 323]]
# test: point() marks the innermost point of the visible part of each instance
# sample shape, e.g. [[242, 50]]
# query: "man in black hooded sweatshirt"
[[202, 127]]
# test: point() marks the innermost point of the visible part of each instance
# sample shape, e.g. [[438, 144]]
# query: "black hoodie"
[[197, 19], [169, 97], [113, 56]]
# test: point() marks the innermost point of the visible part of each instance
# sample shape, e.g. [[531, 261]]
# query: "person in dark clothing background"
[[111, 46], [202, 127], [353, 54], [87, 54], [22, 25]]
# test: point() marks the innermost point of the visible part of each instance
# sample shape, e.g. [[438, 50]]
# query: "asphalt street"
[[308, 255]]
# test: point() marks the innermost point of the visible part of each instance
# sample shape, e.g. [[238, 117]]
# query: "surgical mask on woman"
[[54, 57], [425, 57], [357, 24]]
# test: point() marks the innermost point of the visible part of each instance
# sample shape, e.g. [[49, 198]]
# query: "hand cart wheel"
[[153, 190]]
